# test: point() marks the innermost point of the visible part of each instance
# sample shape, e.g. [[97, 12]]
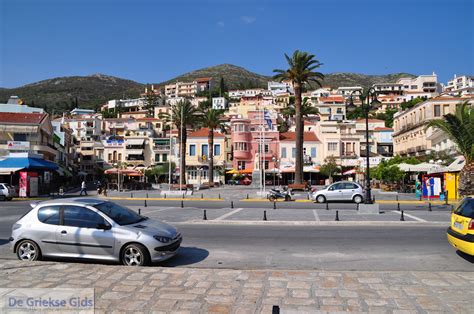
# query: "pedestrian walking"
[[83, 188]]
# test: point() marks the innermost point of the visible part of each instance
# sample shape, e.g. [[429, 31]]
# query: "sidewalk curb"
[[163, 199], [378, 201], [313, 223]]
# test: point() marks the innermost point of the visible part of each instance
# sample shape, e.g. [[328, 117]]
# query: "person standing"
[[83, 188]]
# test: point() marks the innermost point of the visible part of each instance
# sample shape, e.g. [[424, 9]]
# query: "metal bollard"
[[373, 199], [398, 206], [182, 204], [357, 206], [327, 205], [307, 197], [397, 198], [247, 196], [402, 218], [275, 309], [202, 196], [231, 204], [131, 195], [337, 215], [446, 197], [429, 207], [146, 205], [165, 195], [274, 205], [139, 211], [205, 215], [264, 215], [420, 197], [219, 195], [146, 195]]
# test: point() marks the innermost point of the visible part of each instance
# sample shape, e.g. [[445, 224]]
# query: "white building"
[[15, 104], [462, 85], [347, 91], [280, 87], [219, 103]]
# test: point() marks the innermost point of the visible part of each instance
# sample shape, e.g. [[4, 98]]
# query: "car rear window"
[[466, 208], [49, 215]]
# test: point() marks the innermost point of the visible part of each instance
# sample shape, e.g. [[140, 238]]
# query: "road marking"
[[410, 216], [147, 211], [229, 214], [316, 215]]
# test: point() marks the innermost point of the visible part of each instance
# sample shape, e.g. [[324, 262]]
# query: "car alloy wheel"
[[28, 251], [134, 255], [321, 199], [358, 199]]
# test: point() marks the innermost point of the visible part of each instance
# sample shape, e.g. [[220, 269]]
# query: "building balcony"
[[349, 155], [162, 148], [242, 154]]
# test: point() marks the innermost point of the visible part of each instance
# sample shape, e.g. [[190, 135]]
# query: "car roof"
[[344, 182], [72, 201]]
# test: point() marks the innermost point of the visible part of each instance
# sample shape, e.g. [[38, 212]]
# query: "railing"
[[162, 147]]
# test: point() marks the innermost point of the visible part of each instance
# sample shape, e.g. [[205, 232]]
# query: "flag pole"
[[263, 166]]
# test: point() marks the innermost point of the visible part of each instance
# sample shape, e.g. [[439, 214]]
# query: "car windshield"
[[466, 208], [119, 214]]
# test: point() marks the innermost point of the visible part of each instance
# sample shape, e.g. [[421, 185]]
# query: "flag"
[[268, 119]]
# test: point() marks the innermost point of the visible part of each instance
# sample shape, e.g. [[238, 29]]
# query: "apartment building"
[[197, 157], [411, 138], [219, 103], [188, 89], [64, 143], [85, 127], [253, 141], [332, 107], [460, 85], [312, 153], [389, 88], [421, 84], [347, 91], [27, 132], [280, 87]]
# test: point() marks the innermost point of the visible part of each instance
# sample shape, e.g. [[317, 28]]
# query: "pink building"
[[249, 142]]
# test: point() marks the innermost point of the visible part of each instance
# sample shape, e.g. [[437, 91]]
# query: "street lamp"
[[369, 102], [275, 162], [117, 165]]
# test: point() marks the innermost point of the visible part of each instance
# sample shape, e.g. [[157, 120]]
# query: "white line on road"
[[409, 216], [147, 211], [316, 217], [229, 214]]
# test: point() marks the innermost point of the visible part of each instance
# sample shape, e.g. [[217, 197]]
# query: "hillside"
[[91, 91], [60, 93]]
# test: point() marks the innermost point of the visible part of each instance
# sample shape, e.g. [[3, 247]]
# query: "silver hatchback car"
[[340, 191], [92, 229]]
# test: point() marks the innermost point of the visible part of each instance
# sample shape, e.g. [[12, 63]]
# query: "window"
[[413, 87], [164, 157], [267, 164], [293, 152], [437, 111], [205, 150], [19, 137], [283, 152], [240, 146], [217, 149], [332, 147], [119, 214], [157, 157], [267, 148], [445, 109], [49, 215], [466, 209], [76, 216], [350, 186], [240, 165], [192, 150], [313, 152]]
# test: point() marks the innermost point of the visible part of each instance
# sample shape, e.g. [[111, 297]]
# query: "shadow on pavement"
[[465, 256], [4, 241], [186, 256]]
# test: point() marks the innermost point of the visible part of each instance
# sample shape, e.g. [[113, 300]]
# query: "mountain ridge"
[[60, 93]]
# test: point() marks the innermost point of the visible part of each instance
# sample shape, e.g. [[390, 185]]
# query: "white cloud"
[[220, 24], [248, 19]]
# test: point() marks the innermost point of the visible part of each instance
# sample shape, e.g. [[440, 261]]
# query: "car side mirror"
[[104, 226]]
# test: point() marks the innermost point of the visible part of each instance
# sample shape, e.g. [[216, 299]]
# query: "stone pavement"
[[187, 290]]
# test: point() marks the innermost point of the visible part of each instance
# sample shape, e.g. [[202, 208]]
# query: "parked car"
[[92, 229], [7, 192], [461, 232], [340, 191]]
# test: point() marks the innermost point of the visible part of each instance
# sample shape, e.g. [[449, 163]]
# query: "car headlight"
[[162, 239]]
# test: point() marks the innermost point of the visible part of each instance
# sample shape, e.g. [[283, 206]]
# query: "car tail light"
[[471, 225]]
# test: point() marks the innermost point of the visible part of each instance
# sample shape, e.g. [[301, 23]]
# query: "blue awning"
[[27, 163]]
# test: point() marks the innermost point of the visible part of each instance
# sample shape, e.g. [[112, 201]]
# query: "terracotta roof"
[[204, 133], [291, 137], [22, 118], [383, 129], [203, 79], [370, 120]]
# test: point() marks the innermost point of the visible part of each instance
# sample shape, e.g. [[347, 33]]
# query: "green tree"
[[151, 100], [159, 171], [211, 119], [306, 110], [459, 127], [183, 115], [330, 167], [410, 103], [387, 116], [388, 173], [301, 71], [222, 87]]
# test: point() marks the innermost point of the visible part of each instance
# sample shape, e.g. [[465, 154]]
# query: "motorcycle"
[[275, 194]]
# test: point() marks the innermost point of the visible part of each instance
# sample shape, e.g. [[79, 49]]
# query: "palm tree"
[[459, 128], [212, 119], [300, 71], [183, 116]]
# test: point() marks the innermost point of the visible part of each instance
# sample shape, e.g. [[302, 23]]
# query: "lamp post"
[[369, 102], [117, 165]]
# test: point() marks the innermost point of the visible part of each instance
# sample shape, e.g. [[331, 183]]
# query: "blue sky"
[[152, 41]]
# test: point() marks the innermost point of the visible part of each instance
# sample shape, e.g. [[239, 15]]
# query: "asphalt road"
[[329, 247]]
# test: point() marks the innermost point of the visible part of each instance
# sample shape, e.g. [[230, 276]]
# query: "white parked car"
[[340, 191], [7, 192]]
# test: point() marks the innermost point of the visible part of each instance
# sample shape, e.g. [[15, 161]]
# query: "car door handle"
[[63, 232]]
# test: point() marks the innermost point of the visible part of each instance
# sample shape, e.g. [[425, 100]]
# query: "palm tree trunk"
[[182, 159], [466, 180], [210, 139], [299, 135]]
